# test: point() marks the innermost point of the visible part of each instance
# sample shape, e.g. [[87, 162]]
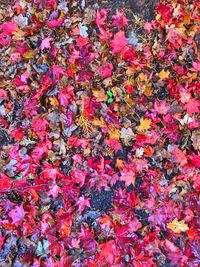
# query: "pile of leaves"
[[99, 136]]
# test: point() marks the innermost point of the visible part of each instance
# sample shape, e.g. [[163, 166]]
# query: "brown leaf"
[[100, 95], [196, 139]]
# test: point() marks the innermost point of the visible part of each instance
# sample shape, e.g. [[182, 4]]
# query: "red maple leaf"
[[9, 27], [108, 252], [5, 182], [119, 42], [192, 106], [180, 156], [105, 69], [114, 144], [82, 203], [119, 20], [128, 176]]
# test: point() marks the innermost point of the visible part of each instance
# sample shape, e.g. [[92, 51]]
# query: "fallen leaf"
[[163, 74], [119, 42], [196, 139], [105, 70], [126, 134], [100, 95], [145, 124], [17, 214], [177, 226], [45, 43], [114, 133]]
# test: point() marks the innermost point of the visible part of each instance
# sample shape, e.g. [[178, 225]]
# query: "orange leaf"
[[114, 134], [163, 74], [145, 124]]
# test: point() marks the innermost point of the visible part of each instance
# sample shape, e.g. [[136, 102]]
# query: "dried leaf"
[[100, 95], [177, 226], [196, 139]]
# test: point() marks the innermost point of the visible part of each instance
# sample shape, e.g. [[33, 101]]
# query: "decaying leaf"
[[196, 139]]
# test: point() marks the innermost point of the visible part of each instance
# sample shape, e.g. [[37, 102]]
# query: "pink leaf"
[[45, 43], [192, 106], [119, 20], [9, 27], [106, 69], [119, 42], [17, 215]]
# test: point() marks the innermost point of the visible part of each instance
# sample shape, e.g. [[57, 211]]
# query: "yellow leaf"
[[114, 134], [18, 34], [163, 74], [29, 54], [177, 226], [100, 95], [142, 77], [54, 102], [119, 164], [145, 124]]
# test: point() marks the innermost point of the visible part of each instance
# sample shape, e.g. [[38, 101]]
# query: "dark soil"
[[142, 8]]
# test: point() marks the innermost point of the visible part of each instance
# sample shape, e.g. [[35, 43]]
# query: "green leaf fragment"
[[110, 100], [109, 93]]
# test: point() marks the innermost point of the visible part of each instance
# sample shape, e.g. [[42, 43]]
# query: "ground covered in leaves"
[[99, 138]]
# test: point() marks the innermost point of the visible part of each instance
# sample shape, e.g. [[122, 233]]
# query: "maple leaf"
[[39, 126], [82, 203], [65, 228], [17, 214], [163, 74], [119, 20], [148, 26], [192, 106], [180, 156], [128, 176], [161, 107], [104, 34], [195, 66], [114, 144], [145, 124], [45, 43], [174, 37], [79, 176], [177, 226], [54, 190], [108, 251], [101, 16], [5, 182], [119, 42], [9, 27], [100, 95], [135, 225], [196, 139], [55, 23], [105, 69]]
